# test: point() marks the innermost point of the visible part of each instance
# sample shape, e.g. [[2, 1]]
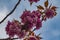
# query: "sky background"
[[50, 29]]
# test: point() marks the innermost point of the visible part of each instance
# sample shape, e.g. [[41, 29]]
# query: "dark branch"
[[11, 11], [9, 39], [34, 29]]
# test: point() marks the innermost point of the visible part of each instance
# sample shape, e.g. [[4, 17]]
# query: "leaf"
[[40, 7], [53, 8], [46, 3], [55, 13]]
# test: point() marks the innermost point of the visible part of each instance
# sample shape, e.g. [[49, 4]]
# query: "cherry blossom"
[[34, 0], [49, 13], [14, 28], [32, 18]]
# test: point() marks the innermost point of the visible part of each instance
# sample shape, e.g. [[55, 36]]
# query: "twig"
[[10, 12], [9, 39], [34, 29]]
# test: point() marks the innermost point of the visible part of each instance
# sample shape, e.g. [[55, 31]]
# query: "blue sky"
[[50, 29]]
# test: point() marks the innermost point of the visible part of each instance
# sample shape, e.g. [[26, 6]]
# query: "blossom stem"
[[34, 29]]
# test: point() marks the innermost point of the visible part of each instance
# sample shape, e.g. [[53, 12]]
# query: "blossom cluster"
[[30, 20], [14, 28]]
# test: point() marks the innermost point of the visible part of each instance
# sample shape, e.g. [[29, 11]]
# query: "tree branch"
[[10, 12], [9, 39]]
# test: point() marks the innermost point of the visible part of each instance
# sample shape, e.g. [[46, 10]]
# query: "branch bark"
[[10, 12], [9, 39]]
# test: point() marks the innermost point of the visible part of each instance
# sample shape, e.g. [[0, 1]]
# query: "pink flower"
[[21, 34], [27, 26], [37, 13], [14, 28], [37, 21], [25, 16], [39, 24], [31, 18], [49, 13], [34, 0]]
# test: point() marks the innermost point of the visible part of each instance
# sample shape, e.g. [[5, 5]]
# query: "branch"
[[34, 29], [9, 39], [11, 11]]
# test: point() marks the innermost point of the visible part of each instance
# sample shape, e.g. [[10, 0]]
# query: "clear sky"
[[50, 29]]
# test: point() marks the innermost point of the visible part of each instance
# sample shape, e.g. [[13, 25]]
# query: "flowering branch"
[[29, 20], [11, 11], [16, 38]]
